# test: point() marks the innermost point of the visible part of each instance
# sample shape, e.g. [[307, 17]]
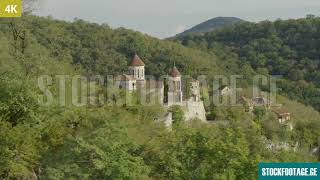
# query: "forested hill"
[[290, 48], [212, 24], [103, 50]]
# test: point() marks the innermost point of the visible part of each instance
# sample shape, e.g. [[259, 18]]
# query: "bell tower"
[[175, 89], [136, 68]]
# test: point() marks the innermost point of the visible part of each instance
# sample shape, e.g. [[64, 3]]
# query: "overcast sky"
[[165, 18]]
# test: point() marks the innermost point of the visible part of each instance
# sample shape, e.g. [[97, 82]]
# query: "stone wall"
[[194, 110]]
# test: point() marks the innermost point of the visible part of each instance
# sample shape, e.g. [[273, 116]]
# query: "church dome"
[[136, 61], [175, 72]]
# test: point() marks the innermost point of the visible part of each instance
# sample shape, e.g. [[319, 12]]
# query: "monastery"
[[193, 107]]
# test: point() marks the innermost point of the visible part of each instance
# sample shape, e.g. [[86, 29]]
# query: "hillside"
[[211, 25], [288, 48], [102, 50], [112, 141]]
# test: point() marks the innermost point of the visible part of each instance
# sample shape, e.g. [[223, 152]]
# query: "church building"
[[135, 79]]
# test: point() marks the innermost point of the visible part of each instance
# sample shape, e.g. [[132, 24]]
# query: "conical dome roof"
[[175, 72], [136, 61]]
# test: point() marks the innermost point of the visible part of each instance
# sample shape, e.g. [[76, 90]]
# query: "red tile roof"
[[124, 77], [281, 112], [174, 72], [136, 61]]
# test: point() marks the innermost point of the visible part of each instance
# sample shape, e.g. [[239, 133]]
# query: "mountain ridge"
[[283, 47], [212, 24]]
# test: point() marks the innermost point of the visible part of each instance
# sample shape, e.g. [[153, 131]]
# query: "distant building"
[[175, 87], [126, 82], [136, 68], [225, 91], [255, 102], [135, 79], [135, 76], [284, 117], [195, 90], [156, 88], [194, 107], [260, 102]]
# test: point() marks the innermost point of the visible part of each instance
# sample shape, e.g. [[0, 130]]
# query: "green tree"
[[259, 113], [177, 115]]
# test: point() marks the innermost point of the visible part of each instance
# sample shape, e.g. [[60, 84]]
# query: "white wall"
[[195, 110], [137, 72]]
